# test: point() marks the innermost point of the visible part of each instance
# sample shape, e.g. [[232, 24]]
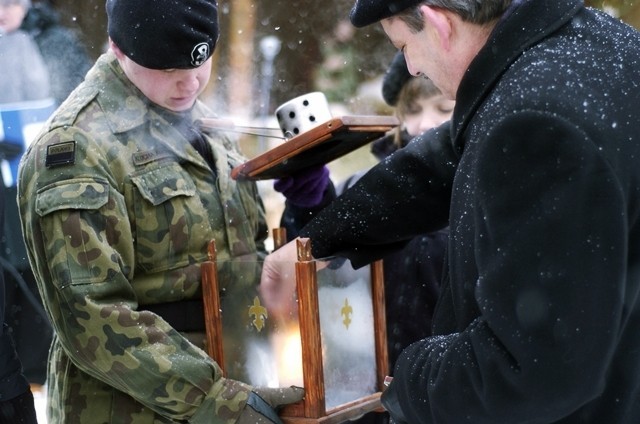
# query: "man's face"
[[422, 52], [173, 89]]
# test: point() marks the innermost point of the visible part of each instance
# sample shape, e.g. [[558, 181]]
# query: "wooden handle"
[[308, 305], [279, 237], [211, 300]]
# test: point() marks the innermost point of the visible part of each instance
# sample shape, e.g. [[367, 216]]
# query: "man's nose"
[[189, 82]]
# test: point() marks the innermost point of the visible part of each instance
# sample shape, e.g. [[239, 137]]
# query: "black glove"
[[263, 403], [391, 403]]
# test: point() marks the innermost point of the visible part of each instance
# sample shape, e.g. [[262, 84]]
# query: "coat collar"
[[525, 25]]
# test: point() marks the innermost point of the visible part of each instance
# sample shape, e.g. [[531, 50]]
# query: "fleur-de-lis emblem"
[[346, 312], [259, 314]]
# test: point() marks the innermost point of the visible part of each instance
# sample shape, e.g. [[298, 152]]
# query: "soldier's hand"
[[263, 403]]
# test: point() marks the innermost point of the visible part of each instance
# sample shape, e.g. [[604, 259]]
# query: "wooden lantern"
[[343, 364]]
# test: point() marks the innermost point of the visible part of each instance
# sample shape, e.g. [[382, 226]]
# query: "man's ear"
[[115, 49], [438, 19]]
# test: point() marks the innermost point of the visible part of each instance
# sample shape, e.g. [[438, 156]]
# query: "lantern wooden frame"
[[312, 409]]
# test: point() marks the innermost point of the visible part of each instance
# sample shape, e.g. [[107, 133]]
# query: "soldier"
[[119, 196]]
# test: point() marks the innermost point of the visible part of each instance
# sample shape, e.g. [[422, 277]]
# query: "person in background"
[[419, 104], [24, 85], [64, 54], [120, 195], [537, 177], [24, 74], [16, 399]]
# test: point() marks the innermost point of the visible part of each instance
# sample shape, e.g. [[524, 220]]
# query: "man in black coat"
[[16, 399], [537, 176]]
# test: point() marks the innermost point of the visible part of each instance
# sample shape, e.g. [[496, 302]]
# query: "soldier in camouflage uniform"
[[119, 196]]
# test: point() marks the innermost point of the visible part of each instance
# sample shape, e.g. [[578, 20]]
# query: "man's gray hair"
[[478, 12]]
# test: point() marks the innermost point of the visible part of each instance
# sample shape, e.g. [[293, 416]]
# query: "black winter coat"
[[12, 382], [539, 176]]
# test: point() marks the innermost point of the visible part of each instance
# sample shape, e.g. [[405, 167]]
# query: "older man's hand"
[[278, 281]]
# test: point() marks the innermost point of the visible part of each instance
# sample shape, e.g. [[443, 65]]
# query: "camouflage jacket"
[[117, 209]]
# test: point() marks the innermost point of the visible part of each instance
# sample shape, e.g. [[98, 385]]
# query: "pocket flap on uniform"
[[80, 193], [159, 185]]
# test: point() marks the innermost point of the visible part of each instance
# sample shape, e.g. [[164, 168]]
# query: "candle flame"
[[288, 348]]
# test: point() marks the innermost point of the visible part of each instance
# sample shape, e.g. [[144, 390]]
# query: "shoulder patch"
[[61, 154]]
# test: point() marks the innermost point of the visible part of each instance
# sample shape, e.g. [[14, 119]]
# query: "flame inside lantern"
[[287, 345]]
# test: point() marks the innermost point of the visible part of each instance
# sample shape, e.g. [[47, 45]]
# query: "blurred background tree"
[[627, 10]]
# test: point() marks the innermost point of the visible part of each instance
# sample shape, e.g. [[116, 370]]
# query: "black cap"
[[164, 34], [366, 12], [394, 79]]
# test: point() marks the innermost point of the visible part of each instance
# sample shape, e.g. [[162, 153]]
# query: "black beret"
[[164, 34], [366, 12], [394, 79]]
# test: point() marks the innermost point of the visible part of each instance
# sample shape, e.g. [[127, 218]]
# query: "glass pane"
[[258, 349], [264, 351], [347, 328]]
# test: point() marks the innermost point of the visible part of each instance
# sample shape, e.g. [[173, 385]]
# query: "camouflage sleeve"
[[261, 226], [81, 249]]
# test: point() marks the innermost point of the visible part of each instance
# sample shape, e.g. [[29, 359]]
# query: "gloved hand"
[[263, 403], [391, 403], [306, 188]]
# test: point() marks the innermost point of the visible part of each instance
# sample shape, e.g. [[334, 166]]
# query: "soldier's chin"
[[180, 104]]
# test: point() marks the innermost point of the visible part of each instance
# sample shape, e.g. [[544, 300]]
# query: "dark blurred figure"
[[16, 399], [25, 84], [31, 330], [63, 52]]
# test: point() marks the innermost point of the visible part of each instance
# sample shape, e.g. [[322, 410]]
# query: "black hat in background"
[[366, 12], [164, 34], [394, 79]]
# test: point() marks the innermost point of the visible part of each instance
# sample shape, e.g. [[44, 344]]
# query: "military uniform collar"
[[127, 108], [123, 103]]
